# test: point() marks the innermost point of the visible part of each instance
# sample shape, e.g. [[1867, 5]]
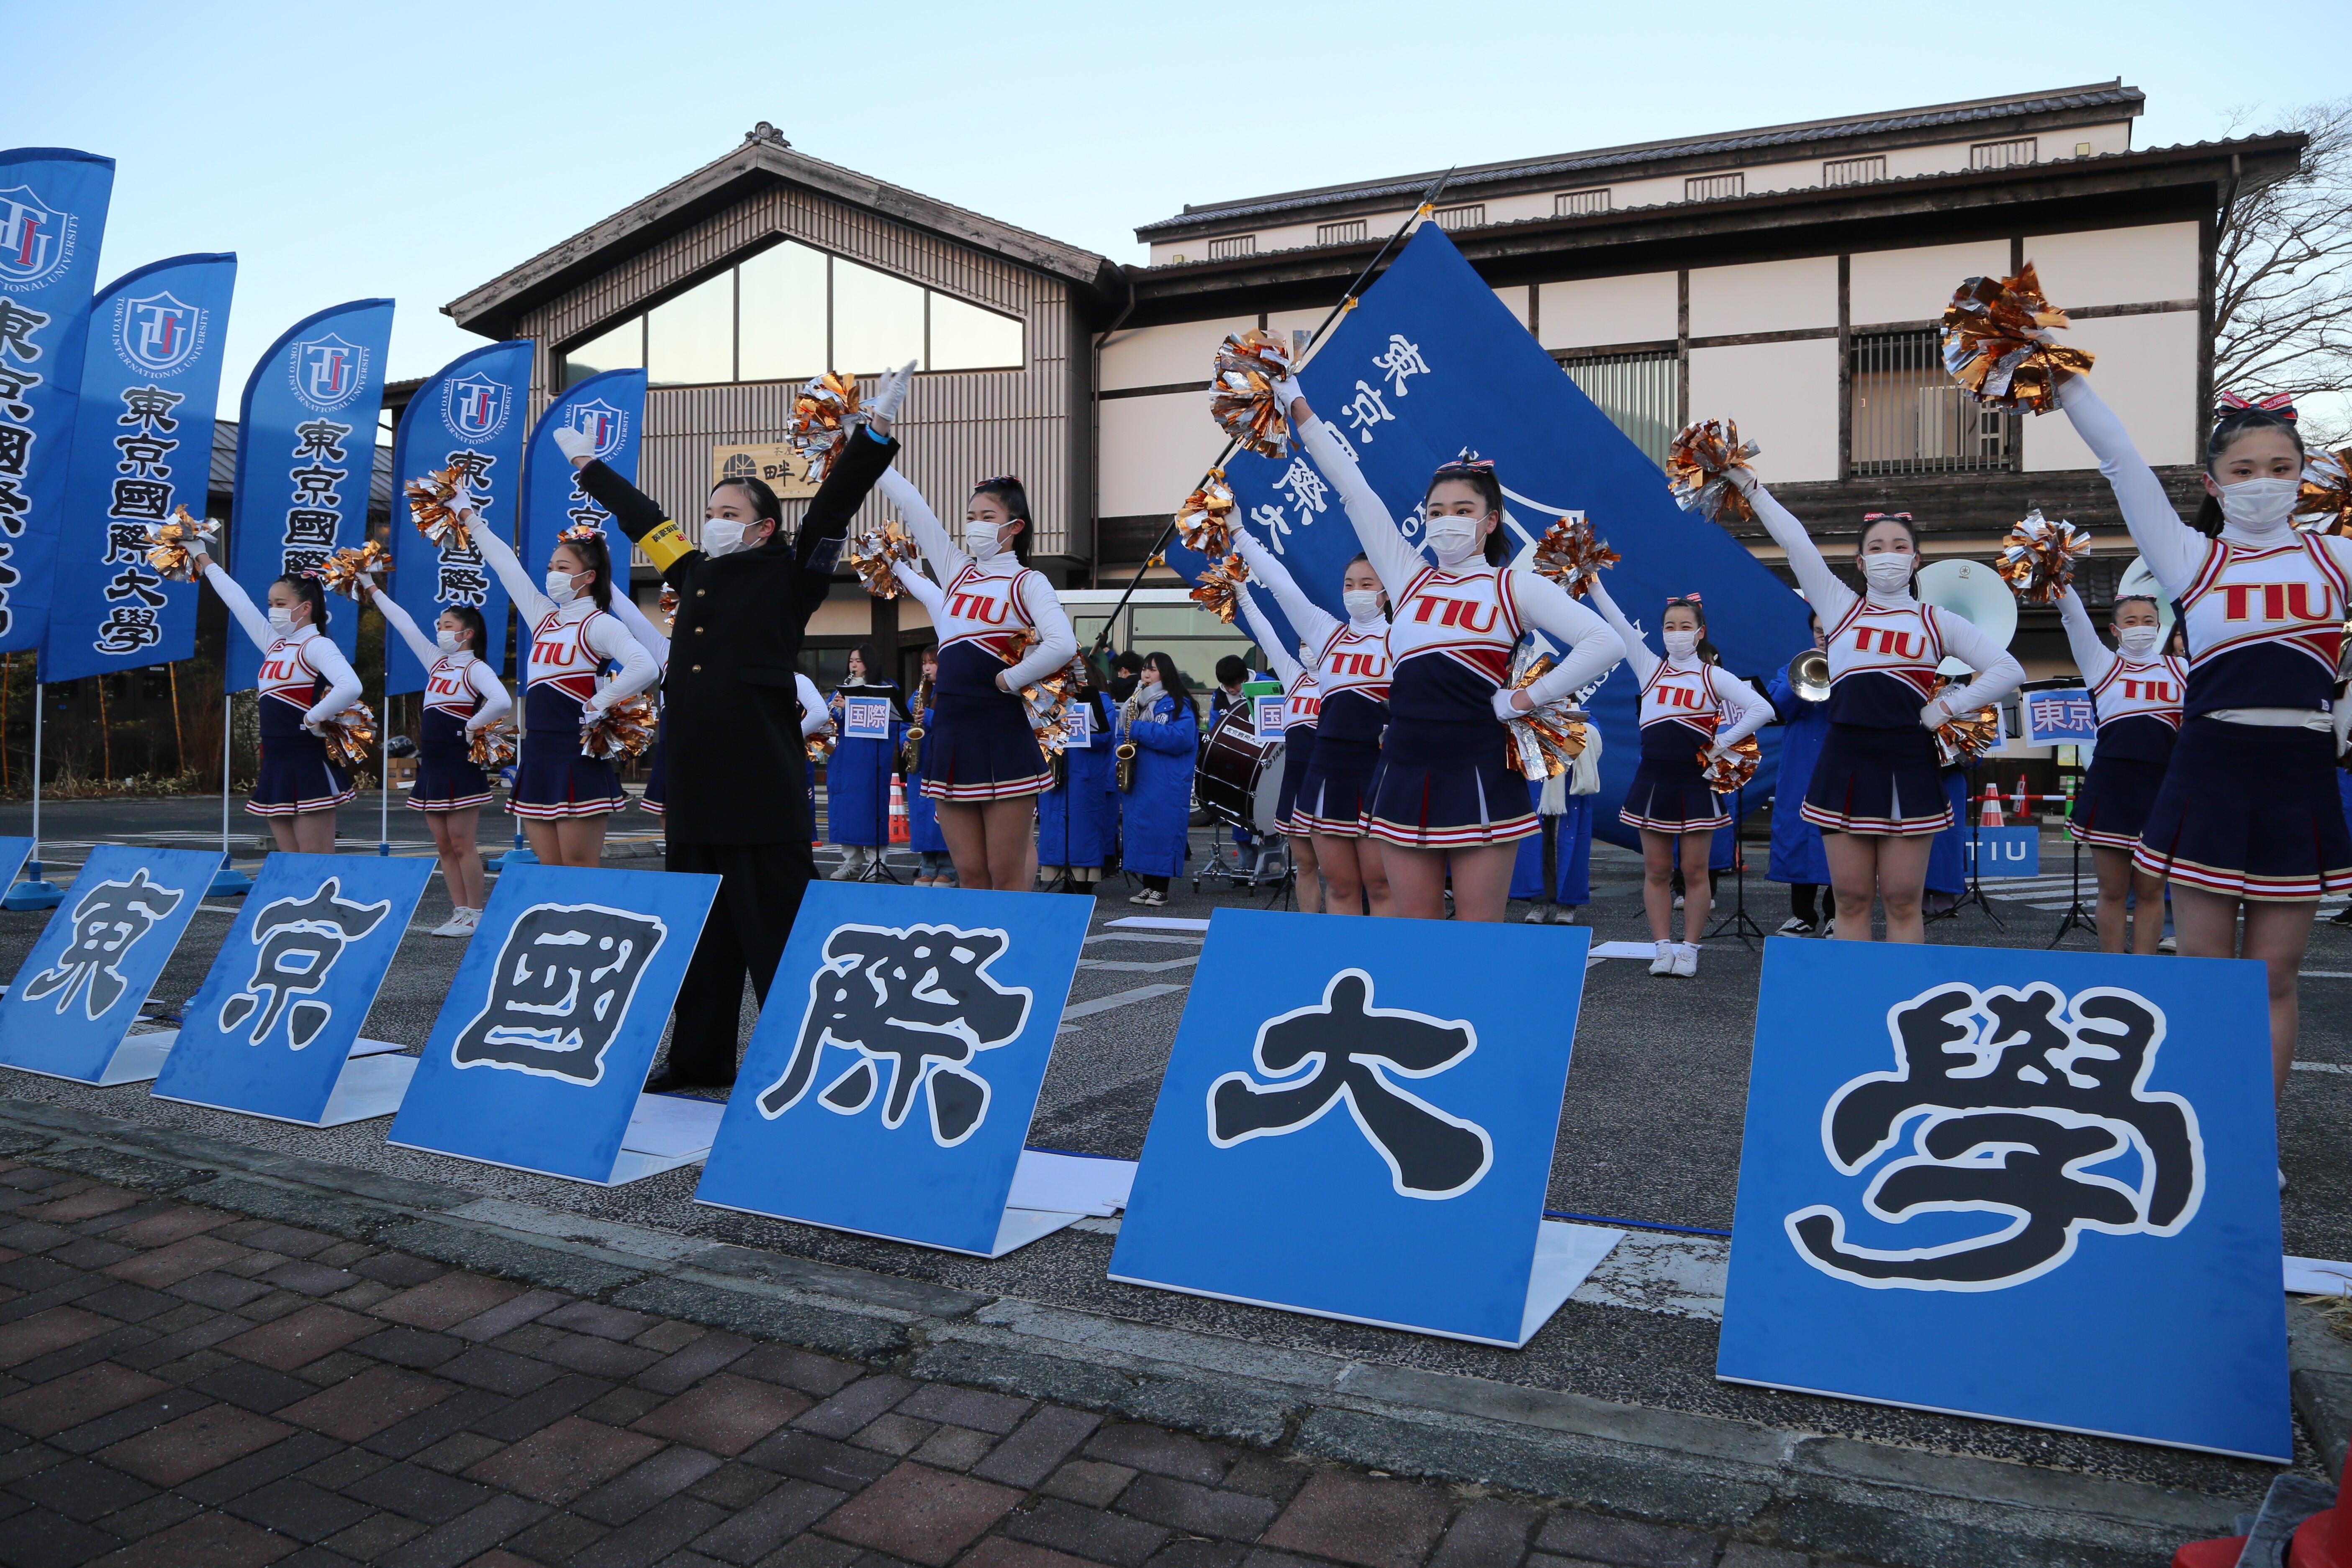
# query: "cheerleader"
[[655, 642], [562, 795], [857, 778], [932, 866], [1443, 798], [304, 680], [1349, 664], [981, 759], [1689, 707], [1301, 704], [2135, 694], [1875, 793], [2248, 819], [1798, 857], [1163, 725], [462, 698]]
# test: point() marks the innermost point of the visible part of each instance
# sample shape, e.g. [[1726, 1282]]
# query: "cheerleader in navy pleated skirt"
[[2247, 822], [982, 762], [462, 697], [303, 680], [2135, 695], [1445, 801], [562, 795], [1349, 662], [1301, 703], [1691, 709], [1877, 793]]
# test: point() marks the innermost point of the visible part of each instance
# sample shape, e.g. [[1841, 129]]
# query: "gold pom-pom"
[[1248, 365], [2324, 503], [876, 554], [1014, 646], [1991, 348], [1049, 699], [1733, 769], [1964, 735], [2038, 557], [1701, 466], [1542, 741], [172, 546], [1572, 555], [345, 570], [819, 746], [623, 731], [351, 736], [822, 417], [429, 501], [1206, 522], [668, 606], [492, 746], [1219, 590]]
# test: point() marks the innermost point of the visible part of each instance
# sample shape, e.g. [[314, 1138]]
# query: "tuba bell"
[[1809, 675]]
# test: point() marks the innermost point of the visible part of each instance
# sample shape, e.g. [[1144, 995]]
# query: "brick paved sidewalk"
[[183, 1388]]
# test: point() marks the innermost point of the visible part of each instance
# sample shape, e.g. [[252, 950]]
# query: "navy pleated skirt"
[[446, 778], [1297, 750], [2252, 812], [296, 776], [2112, 806], [978, 749], [1881, 782], [1336, 787], [656, 780], [1670, 796], [554, 781], [1443, 785]]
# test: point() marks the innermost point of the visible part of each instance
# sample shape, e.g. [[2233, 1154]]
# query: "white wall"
[[2116, 266], [1589, 311], [1763, 297], [1916, 285], [2146, 371], [1172, 355], [1153, 451], [1784, 397]]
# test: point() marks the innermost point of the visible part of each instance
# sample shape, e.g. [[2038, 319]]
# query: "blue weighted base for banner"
[[890, 1082], [275, 1031], [1360, 1125], [2031, 1186], [229, 882], [33, 893], [540, 1050]]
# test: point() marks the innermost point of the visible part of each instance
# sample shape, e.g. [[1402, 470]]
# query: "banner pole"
[[34, 892], [1427, 204], [228, 881], [383, 743]]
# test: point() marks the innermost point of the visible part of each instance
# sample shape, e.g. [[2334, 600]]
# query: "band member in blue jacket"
[[1077, 819], [858, 776], [1161, 723]]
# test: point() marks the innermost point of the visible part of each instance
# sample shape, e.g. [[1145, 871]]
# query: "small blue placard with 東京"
[[80, 989], [2062, 717], [2002, 851], [2034, 1187], [275, 1031], [1361, 1132], [889, 1085], [540, 1052], [866, 718], [1078, 726]]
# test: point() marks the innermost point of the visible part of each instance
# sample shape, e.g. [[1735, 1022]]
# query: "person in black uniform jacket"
[[738, 772]]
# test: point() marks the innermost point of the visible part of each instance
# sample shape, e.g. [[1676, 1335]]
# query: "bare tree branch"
[[2283, 272]]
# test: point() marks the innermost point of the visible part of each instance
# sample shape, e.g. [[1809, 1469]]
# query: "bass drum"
[[1239, 779]]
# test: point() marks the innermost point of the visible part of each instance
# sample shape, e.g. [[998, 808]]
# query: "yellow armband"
[[664, 545]]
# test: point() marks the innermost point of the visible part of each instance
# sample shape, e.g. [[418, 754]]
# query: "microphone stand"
[[874, 870], [1975, 893], [1738, 922], [2074, 912]]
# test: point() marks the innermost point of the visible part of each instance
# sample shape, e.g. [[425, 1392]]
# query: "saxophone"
[[1123, 755], [910, 749]]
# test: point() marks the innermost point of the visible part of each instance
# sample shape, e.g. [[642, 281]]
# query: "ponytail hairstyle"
[[1479, 474], [471, 620], [2235, 420], [313, 593], [1013, 497], [1707, 652], [586, 542]]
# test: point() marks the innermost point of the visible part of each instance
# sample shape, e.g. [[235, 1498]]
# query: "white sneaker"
[[1829, 929], [1664, 963], [458, 924], [1686, 960], [1151, 898], [1678, 900]]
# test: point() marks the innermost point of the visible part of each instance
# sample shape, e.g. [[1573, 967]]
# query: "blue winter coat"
[[1077, 825], [1797, 852], [1159, 809], [857, 781], [923, 835], [1573, 848]]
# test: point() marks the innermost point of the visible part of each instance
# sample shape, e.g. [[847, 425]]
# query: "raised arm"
[[1745, 710], [1395, 562], [1313, 623], [2091, 655], [492, 691], [2173, 550], [625, 611], [1285, 667], [924, 592], [940, 551], [1637, 652], [1997, 674], [532, 605], [342, 681], [1057, 642], [1830, 598], [1592, 647], [249, 620], [426, 650], [608, 636]]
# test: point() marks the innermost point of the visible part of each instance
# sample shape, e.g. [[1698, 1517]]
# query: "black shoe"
[[672, 1081]]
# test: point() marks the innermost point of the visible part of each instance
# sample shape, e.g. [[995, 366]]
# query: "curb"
[[1793, 1490]]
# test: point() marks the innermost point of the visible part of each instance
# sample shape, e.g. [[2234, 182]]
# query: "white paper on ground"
[[669, 1125], [1644, 950], [1565, 1254], [1070, 1183], [1157, 922], [2318, 1276]]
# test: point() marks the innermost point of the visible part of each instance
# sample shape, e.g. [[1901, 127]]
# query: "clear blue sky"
[[417, 149]]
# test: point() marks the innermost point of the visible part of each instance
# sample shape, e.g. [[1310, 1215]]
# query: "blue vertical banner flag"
[[610, 409], [305, 458], [1430, 368], [470, 418], [52, 202], [144, 446]]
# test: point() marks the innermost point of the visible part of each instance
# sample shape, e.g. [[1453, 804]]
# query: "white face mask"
[[447, 642], [281, 620], [1680, 645], [1453, 538], [1888, 572], [979, 540], [2139, 641], [560, 588], [721, 535], [1362, 604], [2259, 506]]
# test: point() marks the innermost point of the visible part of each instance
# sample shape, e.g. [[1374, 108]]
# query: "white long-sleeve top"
[[1877, 637], [1438, 611], [455, 683], [641, 626], [291, 666], [1301, 699], [569, 642], [1717, 706], [2264, 609], [816, 718], [982, 602], [1348, 657]]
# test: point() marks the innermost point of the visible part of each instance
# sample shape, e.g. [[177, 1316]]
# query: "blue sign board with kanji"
[[271, 1032], [2061, 717], [2034, 1187], [80, 988], [889, 1085], [1357, 1133], [866, 718], [2001, 851], [542, 1048]]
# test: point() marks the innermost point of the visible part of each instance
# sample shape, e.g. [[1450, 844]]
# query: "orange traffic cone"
[[1993, 816], [898, 825]]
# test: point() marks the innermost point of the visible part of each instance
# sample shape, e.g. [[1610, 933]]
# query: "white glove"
[[891, 396], [1505, 709], [592, 710], [1933, 714], [464, 502], [575, 444], [315, 721], [1285, 392]]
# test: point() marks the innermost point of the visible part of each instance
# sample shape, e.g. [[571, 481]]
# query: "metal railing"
[[1911, 417], [1638, 392]]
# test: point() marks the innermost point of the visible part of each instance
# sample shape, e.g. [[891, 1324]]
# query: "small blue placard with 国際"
[[1268, 716], [80, 990], [2002, 851], [2061, 717], [542, 1046], [866, 718], [271, 1032], [1363, 1128], [2032, 1186], [890, 1082]]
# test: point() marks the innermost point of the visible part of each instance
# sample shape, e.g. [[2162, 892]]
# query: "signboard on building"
[[785, 471]]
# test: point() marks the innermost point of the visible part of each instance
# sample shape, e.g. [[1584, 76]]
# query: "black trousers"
[[759, 893]]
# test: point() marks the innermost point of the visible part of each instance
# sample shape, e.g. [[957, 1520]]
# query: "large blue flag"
[[53, 204], [1431, 367], [151, 386], [305, 458], [610, 409], [470, 417]]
